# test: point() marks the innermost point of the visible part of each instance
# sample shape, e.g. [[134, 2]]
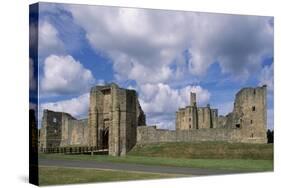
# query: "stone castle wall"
[[76, 133], [116, 122], [61, 129], [245, 124], [114, 115], [51, 132], [150, 134]]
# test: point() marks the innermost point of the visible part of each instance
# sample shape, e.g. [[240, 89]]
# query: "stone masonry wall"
[[246, 123], [61, 129], [117, 122], [117, 111], [51, 132], [149, 134], [77, 133]]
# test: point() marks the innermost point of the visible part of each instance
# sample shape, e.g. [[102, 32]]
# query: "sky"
[[163, 55]]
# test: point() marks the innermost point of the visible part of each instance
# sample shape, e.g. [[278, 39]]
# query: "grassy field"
[[205, 150], [226, 164], [56, 175], [206, 155]]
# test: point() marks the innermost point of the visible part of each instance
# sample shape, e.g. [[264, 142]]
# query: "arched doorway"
[[104, 138]]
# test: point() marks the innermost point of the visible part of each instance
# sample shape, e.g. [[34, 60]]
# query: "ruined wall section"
[[186, 118], [61, 129], [149, 134], [51, 131], [214, 116], [118, 111], [204, 118], [129, 109], [132, 119], [249, 114], [181, 118], [65, 129], [221, 121], [192, 117], [141, 118], [78, 132]]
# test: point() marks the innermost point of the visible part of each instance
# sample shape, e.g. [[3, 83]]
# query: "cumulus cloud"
[[225, 107], [266, 77], [159, 49], [65, 75], [162, 121], [161, 98], [49, 41], [144, 44], [78, 107], [160, 102]]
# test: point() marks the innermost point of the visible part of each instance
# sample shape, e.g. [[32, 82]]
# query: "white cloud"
[[160, 102], [77, 107], [49, 41], [65, 75], [143, 43], [225, 107], [160, 98], [164, 121], [266, 77], [32, 79]]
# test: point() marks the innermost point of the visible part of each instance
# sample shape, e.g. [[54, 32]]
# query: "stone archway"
[[104, 138]]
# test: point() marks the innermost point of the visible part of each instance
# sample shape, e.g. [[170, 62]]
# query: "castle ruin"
[[193, 117], [117, 122], [114, 115]]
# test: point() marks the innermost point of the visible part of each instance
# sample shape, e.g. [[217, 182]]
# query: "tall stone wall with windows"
[[116, 122], [114, 115], [51, 131], [192, 117], [246, 123], [249, 114], [61, 129]]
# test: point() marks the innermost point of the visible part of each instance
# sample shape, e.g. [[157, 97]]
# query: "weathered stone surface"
[[114, 115], [117, 122], [193, 117], [150, 134], [247, 122]]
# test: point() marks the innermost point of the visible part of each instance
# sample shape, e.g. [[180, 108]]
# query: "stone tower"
[[192, 99], [51, 131], [249, 114], [114, 114], [193, 117]]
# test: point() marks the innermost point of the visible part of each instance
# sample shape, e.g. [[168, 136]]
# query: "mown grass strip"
[[58, 175]]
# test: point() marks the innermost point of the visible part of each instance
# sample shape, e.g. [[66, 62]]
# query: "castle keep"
[[114, 114], [117, 122], [193, 117]]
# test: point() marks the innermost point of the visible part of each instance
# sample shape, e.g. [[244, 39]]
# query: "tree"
[[270, 136]]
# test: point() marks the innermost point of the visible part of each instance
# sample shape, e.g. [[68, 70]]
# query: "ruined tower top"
[[192, 99]]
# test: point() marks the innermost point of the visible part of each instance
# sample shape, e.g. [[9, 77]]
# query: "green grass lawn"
[[208, 155], [57, 175], [205, 150], [227, 164]]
